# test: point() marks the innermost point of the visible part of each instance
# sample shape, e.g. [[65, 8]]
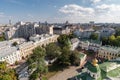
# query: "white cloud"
[[95, 1], [74, 9], [99, 13]]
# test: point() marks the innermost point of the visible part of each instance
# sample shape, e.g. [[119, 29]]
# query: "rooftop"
[[111, 48], [7, 51], [92, 68]]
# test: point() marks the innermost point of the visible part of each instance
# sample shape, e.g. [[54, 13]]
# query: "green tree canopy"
[[63, 40], [6, 73], [74, 58], [37, 64], [94, 36], [64, 58], [52, 50]]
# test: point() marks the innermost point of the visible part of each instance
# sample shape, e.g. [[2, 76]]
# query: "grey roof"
[[25, 44], [7, 51], [111, 49]]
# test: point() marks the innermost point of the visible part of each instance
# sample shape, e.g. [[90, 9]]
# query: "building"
[[11, 33], [26, 30], [61, 30], [106, 71], [90, 45], [83, 33], [90, 72], [82, 57], [74, 43], [26, 48], [84, 45], [106, 32], [44, 39], [109, 52], [44, 29], [95, 45], [10, 55]]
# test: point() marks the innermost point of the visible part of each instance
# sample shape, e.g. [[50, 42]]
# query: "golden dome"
[[94, 62]]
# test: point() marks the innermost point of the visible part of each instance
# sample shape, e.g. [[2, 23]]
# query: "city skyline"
[[53, 11]]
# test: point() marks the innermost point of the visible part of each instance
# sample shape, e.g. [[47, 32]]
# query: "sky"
[[52, 11]]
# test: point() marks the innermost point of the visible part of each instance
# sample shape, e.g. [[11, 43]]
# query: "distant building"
[[83, 33], [61, 30], [26, 30], [106, 32], [11, 33], [44, 29]]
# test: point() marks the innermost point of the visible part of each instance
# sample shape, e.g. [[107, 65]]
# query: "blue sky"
[[60, 10]]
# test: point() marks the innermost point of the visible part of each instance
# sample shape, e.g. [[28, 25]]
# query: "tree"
[[64, 58], [52, 51], [112, 40], [104, 40], [117, 32], [37, 59], [15, 43], [63, 40], [74, 58], [94, 36], [6, 73]]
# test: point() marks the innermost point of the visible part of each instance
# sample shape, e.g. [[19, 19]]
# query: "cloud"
[[95, 1], [103, 12], [77, 10]]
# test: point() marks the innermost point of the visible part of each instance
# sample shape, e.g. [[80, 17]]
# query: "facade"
[[74, 43], [95, 45], [106, 32], [26, 30], [90, 45], [84, 44], [108, 52], [44, 39], [11, 33], [82, 58], [61, 30], [44, 29], [10, 55], [83, 33], [26, 48]]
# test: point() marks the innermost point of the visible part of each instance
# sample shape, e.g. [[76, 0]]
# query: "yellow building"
[[108, 52]]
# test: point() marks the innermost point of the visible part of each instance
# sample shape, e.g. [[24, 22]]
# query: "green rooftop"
[[107, 65], [92, 68], [81, 55]]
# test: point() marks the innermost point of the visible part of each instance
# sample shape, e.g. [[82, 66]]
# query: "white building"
[[90, 45], [11, 33], [106, 32], [84, 44], [44, 39], [83, 33], [74, 43], [10, 55]]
